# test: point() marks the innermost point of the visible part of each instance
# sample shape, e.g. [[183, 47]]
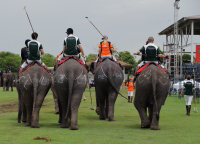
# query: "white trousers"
[[30, 61], [65, 55], [188, 99], [107, 56], [143, 63], [130, 93]]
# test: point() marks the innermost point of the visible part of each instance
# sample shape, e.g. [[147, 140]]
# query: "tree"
[[8, 59], [186, 58], [127, 58], [48, 59], [90, 57]]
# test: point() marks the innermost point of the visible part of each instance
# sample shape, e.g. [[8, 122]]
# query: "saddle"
[[72, 57], [146, 65], [33, 63]]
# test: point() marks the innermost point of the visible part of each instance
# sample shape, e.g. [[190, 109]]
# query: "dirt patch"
[[8, 108]]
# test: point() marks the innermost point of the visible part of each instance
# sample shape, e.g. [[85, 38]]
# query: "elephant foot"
[[19, 121], [102, 118], [64, 126], [111, 119], [146, 124], [28, 124], [74, 127], [23, 119], [155, 128], [35, 126]]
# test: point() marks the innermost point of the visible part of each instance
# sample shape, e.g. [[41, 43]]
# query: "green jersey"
[[188, 87], [71, 42], [34, 48], [150, 51]]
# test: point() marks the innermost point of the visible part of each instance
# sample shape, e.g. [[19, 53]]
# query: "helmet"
[[26, 42], [105, 36]]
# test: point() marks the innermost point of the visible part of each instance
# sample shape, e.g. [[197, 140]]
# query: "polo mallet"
[[28, 18], [99, 31], [195, 108], [94, 26]]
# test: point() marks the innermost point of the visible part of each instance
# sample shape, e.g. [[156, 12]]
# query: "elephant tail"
[[154, 80], [70, 89], [110, 79], [35, 90]]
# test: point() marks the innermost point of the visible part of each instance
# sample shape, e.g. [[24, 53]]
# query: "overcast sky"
[[128, 23]]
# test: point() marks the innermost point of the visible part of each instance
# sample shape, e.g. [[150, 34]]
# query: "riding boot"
[[189, 107], [186, 109], [128, 98]]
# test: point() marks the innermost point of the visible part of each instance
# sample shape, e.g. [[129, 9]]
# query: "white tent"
[[179, 85]]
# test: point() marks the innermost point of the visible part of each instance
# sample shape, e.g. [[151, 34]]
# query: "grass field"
[[175, 126]]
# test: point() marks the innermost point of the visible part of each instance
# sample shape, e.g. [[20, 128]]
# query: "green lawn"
[[175, 126]]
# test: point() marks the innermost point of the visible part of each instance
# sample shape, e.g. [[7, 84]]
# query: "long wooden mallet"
[[28, 18], [94, 26]]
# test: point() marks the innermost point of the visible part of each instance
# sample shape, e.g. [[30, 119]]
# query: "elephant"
[[7, 81], [70, 80], [152, 86], [35, 83], [108, 78]]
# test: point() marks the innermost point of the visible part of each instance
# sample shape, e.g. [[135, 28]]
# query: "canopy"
[[179, 85]]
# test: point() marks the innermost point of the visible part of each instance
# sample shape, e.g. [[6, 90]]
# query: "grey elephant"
[[7, 81], [152, 86], [35, 83], [70, 80], [108, 78]]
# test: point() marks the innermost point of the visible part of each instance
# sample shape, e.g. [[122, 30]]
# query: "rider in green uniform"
[[150, 52], [34, 50], [72, 46]]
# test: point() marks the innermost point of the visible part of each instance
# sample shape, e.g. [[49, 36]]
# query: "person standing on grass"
[[130, 85], [188, 86]]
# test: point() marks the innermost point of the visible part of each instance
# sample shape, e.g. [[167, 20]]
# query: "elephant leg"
[[102, 115], [155, 118], [63, 112], [28, 101], [106, 108], [24, 113], [56, 106], [150, 111], [19, 105], [60, 112], [111, 103], [19, 110], [142, 109], [38, 104], [75, 103]]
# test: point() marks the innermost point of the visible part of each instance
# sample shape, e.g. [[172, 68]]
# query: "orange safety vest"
[[130, 86], [105, 48]]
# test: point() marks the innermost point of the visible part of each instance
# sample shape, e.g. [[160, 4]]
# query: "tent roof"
[[183, 23]]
